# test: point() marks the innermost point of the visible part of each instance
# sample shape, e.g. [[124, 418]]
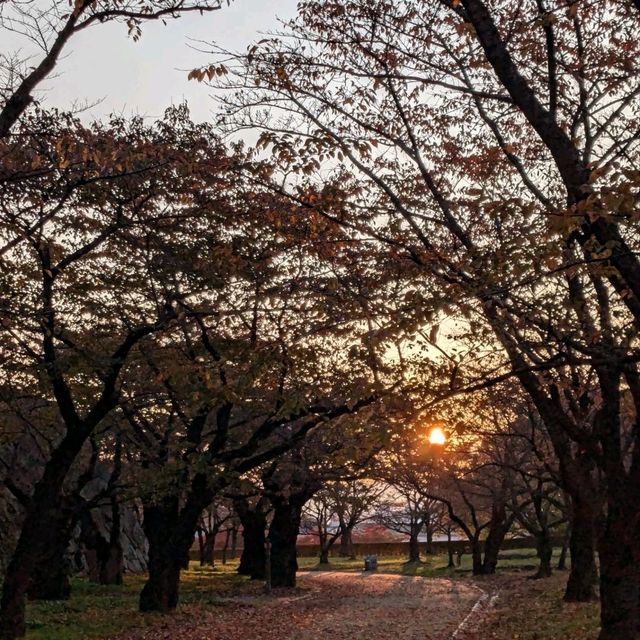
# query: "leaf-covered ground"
[[534, 610], [424, 600], [332, 605]]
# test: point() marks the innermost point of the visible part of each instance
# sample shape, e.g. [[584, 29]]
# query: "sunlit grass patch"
[[101, 612]]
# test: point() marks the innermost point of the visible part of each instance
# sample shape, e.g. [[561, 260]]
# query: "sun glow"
[[437, 436]]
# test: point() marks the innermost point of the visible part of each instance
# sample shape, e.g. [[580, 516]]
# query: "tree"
[[511, 185], [50, 27], [211, 522], [78, 304], [335, 511]]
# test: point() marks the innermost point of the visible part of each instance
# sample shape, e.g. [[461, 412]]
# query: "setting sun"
[[437, 436]]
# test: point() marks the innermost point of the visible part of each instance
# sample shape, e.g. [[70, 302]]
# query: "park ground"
[[425, 601]]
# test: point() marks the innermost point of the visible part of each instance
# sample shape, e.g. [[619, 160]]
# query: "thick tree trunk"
[[324, 554], [619, 552], [170, 530], [50, 576], [39, 527], [283, 535], [50, 579], [346, 544], [16, 583], [160, 592], [39, 542], [254, 523], [582, 545]]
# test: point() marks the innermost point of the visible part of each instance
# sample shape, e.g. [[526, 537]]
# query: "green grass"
[[100, 612], [516, 560]]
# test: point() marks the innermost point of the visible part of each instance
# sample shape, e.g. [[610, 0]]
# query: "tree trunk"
[[414, 547], [234, 541], [50, 577], [562, 560], [451, 563], [38, 530], [160, 592], [104, 555], [346, 544], [43, 539], [619, 551], [110, 554], [254, 523], [16, 583], [583, 574], [429, 546], [201, 546], [324, 554], [227, 537], [170, 530], [283, 535], [544, 548], [498, 529], [208, 548], [476, 557]]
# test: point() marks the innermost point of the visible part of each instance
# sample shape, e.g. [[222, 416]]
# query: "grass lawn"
[[101, 612], [516, 560], [525, 609]]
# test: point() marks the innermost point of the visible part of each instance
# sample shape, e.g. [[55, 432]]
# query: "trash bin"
[[371, 563]]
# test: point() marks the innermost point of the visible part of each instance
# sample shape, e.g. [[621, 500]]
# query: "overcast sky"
[[145, 77]]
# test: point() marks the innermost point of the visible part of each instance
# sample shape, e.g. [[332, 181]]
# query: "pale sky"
[[145, 77]]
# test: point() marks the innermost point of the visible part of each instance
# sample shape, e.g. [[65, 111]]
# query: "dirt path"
[[332, 605]]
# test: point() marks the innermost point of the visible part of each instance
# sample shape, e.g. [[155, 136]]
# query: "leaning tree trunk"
[[619, 552], [283, 535], [582, 546], [39, 532], [498, 529], [254, 523]]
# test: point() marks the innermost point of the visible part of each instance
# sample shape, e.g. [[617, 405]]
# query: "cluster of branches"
[[491, 148], [213, 311]]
